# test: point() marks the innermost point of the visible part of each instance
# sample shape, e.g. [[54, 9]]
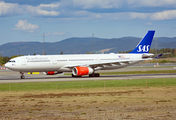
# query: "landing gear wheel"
[[94, 75], [97, 75], [22, 75]]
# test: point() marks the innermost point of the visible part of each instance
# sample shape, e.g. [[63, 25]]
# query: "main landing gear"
[[94, 75], [22, 75]]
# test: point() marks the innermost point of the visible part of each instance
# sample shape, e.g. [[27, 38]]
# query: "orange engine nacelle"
[[79, 71], [52, 73]]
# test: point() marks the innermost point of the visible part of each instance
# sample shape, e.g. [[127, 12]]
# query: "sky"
[[28, 20]]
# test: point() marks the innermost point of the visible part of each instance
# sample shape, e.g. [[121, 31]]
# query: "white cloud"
[[38, 11], [98, 4], [135, 15], [9, 9], [76, 9], [87, 4], [115, 16], [24, 26], [53, 5], [41, 10], [151, 3], [165, 15]]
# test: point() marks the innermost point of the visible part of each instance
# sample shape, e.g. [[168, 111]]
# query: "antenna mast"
[[93, 42], [44, 44]]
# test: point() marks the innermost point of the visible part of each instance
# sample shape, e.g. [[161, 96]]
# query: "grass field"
[[140, 72], [147, 99], [169, 82]]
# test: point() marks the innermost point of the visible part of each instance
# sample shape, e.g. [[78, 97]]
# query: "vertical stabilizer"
[[145, 44]]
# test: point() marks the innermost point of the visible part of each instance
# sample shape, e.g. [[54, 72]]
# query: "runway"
[[7, 76]]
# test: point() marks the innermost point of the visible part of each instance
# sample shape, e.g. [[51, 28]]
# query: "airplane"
[[82, 64]]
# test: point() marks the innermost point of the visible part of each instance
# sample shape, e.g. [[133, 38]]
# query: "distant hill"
[[81, 46]]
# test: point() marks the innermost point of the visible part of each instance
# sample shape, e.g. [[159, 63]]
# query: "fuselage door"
[[54, 61], [131, 56], [23, 61]]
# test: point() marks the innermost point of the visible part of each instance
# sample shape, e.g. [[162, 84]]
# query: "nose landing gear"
[[22, 75]]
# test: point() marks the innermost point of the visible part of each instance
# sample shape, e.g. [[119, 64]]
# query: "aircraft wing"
[[108, 63]]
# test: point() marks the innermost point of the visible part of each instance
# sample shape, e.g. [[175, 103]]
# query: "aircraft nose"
[[6, 65]]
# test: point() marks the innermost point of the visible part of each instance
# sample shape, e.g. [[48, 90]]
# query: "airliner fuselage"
[[81, 64], [63, 63]]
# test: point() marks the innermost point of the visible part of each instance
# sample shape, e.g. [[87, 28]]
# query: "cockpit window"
[[13, 61]]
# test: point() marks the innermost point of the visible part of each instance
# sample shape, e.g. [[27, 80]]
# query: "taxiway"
[[7, 76]]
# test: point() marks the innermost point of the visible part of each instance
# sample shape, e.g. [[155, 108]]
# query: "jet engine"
[[82, 70], [52, 73]]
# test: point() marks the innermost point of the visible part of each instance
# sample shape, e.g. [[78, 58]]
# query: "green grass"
[[140, 72], [168, 82]]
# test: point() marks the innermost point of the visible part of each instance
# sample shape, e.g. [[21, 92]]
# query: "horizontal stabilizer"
[[158, 56]]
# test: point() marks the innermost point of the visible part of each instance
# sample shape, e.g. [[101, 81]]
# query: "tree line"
[[167, 52]]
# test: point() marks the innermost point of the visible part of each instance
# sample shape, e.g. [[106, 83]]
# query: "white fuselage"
[[82, 64], [61, 63]]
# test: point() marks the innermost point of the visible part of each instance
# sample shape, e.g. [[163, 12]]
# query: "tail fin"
[[144, 44]]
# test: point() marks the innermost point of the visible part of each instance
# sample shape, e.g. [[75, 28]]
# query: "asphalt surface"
[[7, 76]]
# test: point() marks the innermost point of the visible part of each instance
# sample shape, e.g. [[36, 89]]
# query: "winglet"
[[145, 44]]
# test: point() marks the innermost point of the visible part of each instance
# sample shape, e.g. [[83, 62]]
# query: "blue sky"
[[27, 20]]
